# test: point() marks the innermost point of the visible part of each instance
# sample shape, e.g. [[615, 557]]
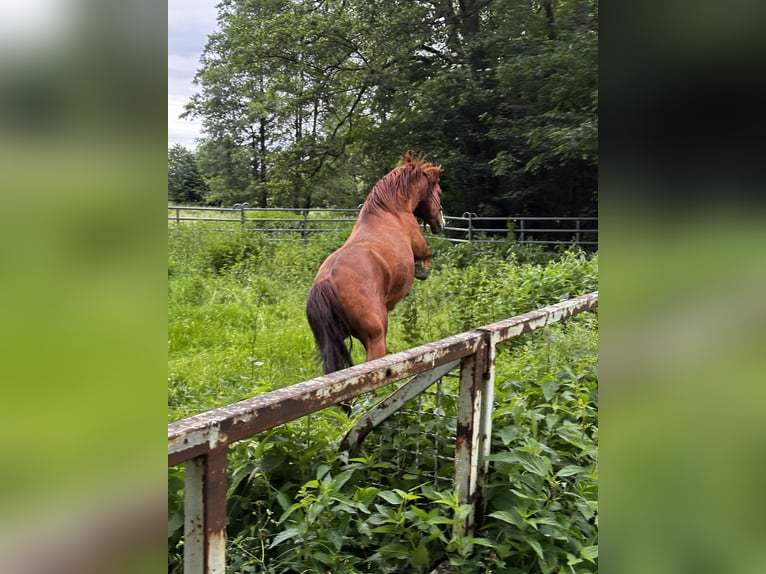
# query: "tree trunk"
[[549, 19], [581, 12], [263, 201], [471, 28]]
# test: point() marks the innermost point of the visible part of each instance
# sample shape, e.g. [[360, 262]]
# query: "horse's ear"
[[432, 172], [409, 157]]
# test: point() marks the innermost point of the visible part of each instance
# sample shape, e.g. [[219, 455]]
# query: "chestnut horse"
[[363, 280]]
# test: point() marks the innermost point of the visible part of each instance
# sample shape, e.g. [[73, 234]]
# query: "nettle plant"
[[543, 491]]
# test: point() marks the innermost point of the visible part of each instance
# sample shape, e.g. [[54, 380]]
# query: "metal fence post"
[[205, 514], [521, 230], [305, 231], [474, 433], [485, 428], [242, 214], [468, 215]]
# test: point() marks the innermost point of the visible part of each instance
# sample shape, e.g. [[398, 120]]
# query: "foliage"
[[185, 183], [308, 103], [544, 462], [236, 328]]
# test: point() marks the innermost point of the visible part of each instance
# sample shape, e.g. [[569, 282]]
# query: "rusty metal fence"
[[418, 439], [201, 442], [467, 228], [472, 228]]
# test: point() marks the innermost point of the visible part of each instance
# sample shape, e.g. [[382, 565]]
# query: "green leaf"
[[545, 520], [387, 529], [570, 469], [175, 521], [283, 500], [552, 420], [324, 558], [439, 520], [286, 514], [315, 510], [390, 496], [586, 507], [394, 550], [574, 435], [420, 555], [590, 553], [406, 495], [341, 479], [507, 434], [549, 388], [535, 464], [572, 559], [482, 542], [419, 513], [285, 535], [509, 516], [365, 494], [527, 495], [535, 546]]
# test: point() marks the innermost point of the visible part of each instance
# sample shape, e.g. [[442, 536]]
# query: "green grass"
[[236, 328]]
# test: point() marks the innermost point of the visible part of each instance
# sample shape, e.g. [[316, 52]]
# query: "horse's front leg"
[[421, 264], [420, 251], [425, 259]]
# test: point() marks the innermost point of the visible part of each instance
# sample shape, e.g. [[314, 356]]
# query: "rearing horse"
[[364, 279]]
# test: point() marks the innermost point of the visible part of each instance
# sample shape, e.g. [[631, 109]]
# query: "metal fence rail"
[[468, 228], [202, 441], [526, 230]]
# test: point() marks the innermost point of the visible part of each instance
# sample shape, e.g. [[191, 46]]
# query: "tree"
[[308, 102], [546, 123], [185, 183]]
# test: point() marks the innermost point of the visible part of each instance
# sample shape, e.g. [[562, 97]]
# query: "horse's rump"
[[330, 329]]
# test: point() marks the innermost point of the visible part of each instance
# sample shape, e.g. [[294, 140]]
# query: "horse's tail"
[[328, 325]]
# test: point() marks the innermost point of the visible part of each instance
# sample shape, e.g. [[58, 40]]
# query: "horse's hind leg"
[[374, 326], [376, 347]]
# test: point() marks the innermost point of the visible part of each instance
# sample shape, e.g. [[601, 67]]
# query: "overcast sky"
[[189, 23]]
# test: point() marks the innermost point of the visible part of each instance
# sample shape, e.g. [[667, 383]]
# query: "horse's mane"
[[395, 186]]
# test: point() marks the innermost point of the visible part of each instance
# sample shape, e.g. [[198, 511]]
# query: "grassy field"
[[237, 328]]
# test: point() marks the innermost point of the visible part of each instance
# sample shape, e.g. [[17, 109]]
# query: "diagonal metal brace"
[[395, 401]]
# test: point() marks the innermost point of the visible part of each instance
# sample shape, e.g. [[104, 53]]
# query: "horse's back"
[[368, 271]]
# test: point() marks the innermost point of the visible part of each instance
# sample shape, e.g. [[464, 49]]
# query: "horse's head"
[[414, 186], [429, 206]]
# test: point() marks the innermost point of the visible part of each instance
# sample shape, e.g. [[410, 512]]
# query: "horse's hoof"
[[421, 273]]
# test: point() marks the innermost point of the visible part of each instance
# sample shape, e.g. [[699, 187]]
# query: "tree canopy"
[[185, 182], [306, 103]]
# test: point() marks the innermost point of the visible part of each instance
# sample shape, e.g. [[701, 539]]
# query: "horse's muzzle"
[[437, 225]]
